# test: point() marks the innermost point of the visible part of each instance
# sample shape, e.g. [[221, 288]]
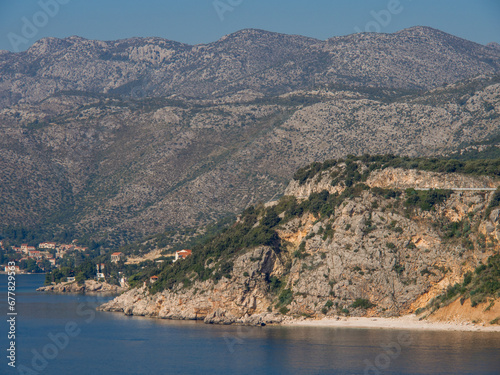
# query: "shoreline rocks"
[[90, 286]]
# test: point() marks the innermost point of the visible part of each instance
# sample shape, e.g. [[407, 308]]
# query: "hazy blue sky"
[[198, 21]]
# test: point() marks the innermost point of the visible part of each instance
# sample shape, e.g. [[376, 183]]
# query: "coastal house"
[[153, 279], [100, 268], [7, 269], [116, 257], [182, 254], [24, 248], [35, 254], [47, 245], [123, 281], [71, 278], [66, 247]]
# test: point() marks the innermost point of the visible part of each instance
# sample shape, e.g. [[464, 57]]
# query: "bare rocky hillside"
[[104, 166]]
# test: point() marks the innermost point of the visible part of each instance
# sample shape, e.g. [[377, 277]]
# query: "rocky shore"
[[90, 286], [240, 300], [135, 302]]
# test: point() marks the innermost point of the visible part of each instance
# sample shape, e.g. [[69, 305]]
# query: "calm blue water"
[[109, 343]]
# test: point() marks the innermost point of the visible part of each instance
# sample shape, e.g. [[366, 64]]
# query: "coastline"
[[175, 306], [407, 322]]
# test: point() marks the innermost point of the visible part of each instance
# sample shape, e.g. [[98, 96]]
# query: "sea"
[[63, 334]]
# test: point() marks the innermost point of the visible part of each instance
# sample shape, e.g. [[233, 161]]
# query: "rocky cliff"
[[348, 239]]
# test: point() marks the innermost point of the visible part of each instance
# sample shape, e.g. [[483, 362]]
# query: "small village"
[[47, 256]]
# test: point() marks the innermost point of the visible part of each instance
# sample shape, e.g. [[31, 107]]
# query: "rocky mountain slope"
[[248, 63], [350, 237], [120, 169]]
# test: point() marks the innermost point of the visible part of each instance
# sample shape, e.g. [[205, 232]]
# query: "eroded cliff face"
[[392, 178], [374, 256], [398, 263]]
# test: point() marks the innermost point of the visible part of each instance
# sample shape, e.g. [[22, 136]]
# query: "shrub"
[[271, 219], [495, 321], [467, 279], [300, 254], [386, 193], [80, 278], [362, 303], [274, 283], [478, 286], [286, 297], [398, 268], [345, 311], [426, 199], [457, 229], [303, 174], [284, 310]]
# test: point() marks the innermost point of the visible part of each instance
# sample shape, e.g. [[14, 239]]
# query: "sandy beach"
[[404, 322]]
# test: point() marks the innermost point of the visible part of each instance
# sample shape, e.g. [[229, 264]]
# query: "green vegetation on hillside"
[[214, 251], [495, 202], [85, 271], [486, 149], [426, 199], [256, 226], [479, 286], [488, 167], [213, 258], [177, 239]]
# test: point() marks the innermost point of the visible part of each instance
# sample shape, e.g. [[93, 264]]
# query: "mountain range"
[[123, 139], [253, 62]]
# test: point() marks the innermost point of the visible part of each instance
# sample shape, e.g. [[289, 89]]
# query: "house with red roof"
[[182, 254], [116, 257]]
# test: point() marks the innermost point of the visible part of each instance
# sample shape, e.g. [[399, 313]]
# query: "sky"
[[22, 22]]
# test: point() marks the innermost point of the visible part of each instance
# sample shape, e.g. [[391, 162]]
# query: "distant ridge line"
[[460, 189]]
